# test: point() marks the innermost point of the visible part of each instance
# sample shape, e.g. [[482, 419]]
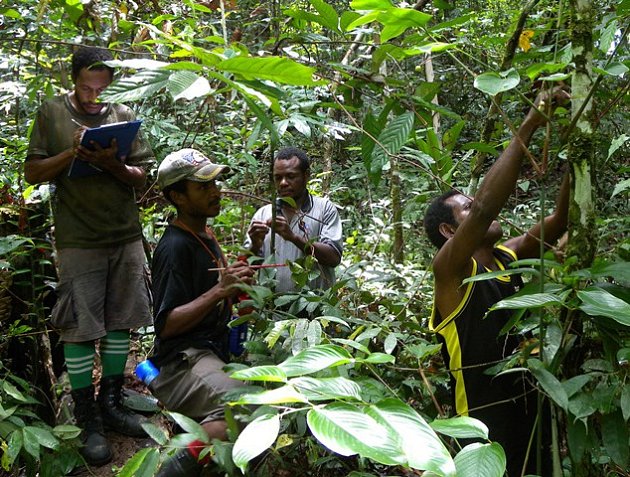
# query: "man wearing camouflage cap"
[[192, 301]]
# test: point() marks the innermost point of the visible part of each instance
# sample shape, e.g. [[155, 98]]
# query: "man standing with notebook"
[[103, 288]]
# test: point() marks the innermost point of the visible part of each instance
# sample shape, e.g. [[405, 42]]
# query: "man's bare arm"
[[454, 256], [186, 317], [555, 224], [39, 169]]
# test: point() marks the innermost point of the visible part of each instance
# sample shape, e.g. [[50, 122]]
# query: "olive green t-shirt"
[[94, 211]]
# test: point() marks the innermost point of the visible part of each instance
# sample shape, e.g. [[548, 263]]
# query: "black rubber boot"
[[96, 450], [182, 464], [115, 416]]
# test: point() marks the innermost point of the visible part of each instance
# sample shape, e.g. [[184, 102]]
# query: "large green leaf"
[[346, 430], [187, 85], [461, 427], [476, 460], [621, 187], [389, 141], [397, 20], [500, 273], [259, 435], [598, 302], [138, 64], [377, 358], [315, 359], [616, 144], [549, 383], [66, 431], [31, 444], [371, 4], [535, 300], [261, 373], [624, 403], [575, 384], [327, 15], [282, 395], [615, 437], [9, 243], [43, 436], [420, 444], [144, 462], [316, 389], [189, 426], [143, 84], [156, 433], [14, 446], [280, 70], [494, 83]]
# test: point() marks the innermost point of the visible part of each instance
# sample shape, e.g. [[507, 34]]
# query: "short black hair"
[[91, 57], [179, 186], [437, 213], [288, 153]]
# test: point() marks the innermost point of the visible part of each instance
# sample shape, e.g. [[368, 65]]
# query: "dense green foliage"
[[391, 102]]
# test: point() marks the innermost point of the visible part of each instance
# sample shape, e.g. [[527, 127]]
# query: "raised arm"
[[555, 224], [453, 261], [463, 240]]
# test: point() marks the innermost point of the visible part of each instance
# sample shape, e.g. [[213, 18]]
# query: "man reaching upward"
[[466, 231]]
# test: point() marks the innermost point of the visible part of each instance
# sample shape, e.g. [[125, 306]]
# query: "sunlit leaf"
[[142, 463], [389, 141], [616, 144], [378, 358], [621, 187], [461, 427], [327, 15], [137, 63], [261, 373], [327, 388], [371, 4], [282, 395], [500, 273], [280, 70], [259, 435], [315, 359], [346, 430], [189, 425], [419, 442], [535, 300], [141, 85], [598, 302], [478, 459], [187, 85]]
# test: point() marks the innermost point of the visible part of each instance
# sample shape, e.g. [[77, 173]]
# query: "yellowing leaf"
[[523, 40]]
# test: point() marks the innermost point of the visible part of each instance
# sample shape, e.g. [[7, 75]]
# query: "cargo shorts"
[[101, 290], [193, 384]]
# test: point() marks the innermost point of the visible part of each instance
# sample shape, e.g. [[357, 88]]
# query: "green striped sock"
[[80, 363], [114, 352]]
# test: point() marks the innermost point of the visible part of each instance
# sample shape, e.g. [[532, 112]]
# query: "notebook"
[[124, 132]]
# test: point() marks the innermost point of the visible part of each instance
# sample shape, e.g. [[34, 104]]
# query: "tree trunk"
[[581, 154], [581, 158], [398, 247]]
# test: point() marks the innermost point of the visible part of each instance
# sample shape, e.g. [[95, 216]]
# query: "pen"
[[77, 123]]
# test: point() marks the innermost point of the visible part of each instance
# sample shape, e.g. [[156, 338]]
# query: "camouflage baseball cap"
[[187, 164]]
